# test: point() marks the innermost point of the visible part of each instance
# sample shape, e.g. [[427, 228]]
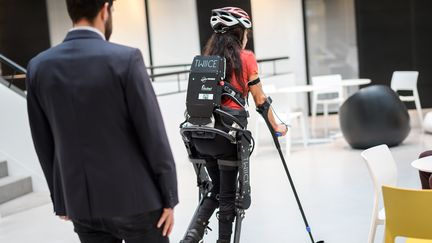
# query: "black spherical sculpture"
[[374, 115]]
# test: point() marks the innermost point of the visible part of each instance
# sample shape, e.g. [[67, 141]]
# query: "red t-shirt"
[[250, 68]]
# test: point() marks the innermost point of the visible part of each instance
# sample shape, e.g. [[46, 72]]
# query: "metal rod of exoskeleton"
[[191, 223], [202, 177], [239, 219], [276, 141]]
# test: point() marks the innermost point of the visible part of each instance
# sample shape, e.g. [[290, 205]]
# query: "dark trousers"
[[224, 180], [222, 168], [140, 228], [425, 177]]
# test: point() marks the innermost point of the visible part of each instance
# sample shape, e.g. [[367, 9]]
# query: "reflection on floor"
[[331, 178]]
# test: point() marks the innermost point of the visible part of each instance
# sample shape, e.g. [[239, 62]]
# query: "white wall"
[[129, 23], [278, 31], [130, 27], [173, 25], [16, 144], [172, 108], [174, 31], [58, 20]]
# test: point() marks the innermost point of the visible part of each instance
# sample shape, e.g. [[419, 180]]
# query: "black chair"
[[374, 115]]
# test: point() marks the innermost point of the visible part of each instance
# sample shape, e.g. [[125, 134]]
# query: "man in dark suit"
[[99, 134]]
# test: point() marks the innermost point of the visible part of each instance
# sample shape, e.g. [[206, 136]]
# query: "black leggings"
[[224, 180]]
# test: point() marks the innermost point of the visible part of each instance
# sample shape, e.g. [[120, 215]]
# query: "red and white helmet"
[[225, 18]]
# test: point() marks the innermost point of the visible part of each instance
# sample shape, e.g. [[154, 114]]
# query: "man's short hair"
[[85, 9]]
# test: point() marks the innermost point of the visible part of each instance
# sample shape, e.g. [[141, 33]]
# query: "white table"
[[354, 82], [423, 164], [310, 88]]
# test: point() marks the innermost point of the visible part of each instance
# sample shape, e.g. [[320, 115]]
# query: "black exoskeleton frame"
[[203, 103]]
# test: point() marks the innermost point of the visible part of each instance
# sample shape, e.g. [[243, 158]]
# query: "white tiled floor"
[[331, 179]]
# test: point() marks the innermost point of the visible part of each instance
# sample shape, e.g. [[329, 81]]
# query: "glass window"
[[331, 37]]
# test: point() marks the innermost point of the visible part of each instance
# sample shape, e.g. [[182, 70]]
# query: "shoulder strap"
[[233, 92]]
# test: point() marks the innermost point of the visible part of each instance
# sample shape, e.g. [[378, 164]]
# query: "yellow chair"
[[411, 240], [408, 214]]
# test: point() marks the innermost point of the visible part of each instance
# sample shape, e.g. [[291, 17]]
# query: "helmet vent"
[[226, 18]]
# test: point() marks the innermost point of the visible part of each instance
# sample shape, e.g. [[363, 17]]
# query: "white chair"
[[427, 122], [287, 116], [326, 85], [383, 171], [407, 80]]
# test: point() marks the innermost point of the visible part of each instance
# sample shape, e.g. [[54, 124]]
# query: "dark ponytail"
[[228, 45]]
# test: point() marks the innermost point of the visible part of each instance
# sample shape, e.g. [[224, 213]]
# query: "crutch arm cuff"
[[264, 107]]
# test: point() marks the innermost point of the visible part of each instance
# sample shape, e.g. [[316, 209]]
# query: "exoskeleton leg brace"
[[243, 195]]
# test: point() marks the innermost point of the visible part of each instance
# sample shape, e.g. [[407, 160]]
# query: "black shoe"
[[199, 227], [193, 236], [196, 233], [222, 241]]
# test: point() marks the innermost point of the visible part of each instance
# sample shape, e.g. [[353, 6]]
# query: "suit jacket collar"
[[82, 34]]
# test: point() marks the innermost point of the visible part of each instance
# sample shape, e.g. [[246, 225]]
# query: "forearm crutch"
[[264, 110]]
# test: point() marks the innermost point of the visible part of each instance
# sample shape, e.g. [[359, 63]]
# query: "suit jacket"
[[98, 131]]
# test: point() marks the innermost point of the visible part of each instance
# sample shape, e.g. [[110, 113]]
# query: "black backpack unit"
[[204, 92]]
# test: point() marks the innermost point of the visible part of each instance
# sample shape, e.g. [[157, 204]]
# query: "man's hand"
[[282, 129], [65, 218], [167, 220]]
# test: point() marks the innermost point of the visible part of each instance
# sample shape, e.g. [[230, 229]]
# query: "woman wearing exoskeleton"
[[231, 27]]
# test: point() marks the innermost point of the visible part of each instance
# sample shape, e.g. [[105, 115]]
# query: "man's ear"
[[105, 12]]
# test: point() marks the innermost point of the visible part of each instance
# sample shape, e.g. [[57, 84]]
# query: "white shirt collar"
[[88, 28]]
